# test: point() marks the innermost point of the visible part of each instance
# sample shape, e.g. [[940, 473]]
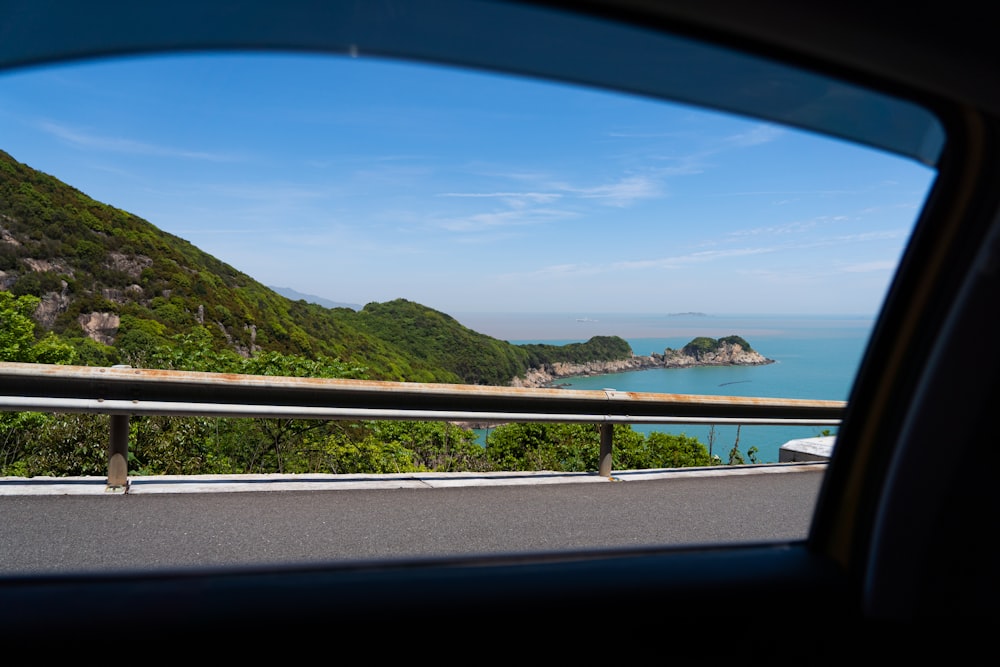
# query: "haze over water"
[[815, 357]]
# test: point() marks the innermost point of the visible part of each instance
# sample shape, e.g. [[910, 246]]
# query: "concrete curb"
[[28, 486]]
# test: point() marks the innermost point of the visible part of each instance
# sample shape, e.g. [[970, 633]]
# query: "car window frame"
[[921, 316]]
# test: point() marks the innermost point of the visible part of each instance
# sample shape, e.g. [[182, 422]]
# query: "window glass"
[[535, 213]]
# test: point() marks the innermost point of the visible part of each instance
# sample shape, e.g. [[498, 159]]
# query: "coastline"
[[549, 375], [726, 355]]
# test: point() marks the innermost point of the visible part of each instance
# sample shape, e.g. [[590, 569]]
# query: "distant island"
[[687, 314], [701, 351]]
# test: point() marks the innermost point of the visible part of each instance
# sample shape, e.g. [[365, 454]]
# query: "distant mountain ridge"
[[289, 293]]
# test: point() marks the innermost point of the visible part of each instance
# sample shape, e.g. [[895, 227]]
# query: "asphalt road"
[[183, 526]]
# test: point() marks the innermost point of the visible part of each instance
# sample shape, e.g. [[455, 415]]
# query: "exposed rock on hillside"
[[101, 327], [725, 353]]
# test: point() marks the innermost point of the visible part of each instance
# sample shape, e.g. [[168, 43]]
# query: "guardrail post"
[[118, 449], [607, 430], [118, 453]]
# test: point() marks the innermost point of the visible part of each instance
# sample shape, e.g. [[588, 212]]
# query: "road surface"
[[172, 523]]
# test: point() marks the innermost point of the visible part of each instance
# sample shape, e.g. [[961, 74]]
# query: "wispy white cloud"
[[775, 230], [268, 192], [869, 267], [566, 270], [879, 235], [532, 207], [754, 136], [622, 192], [493, 219], [663, 263], [618, 193], [685, 167], [813, 224], [518, 199], [679, 261], [820, 273], [810, 243], [624, 134], [696, 161], [129, 146], [786, 193]]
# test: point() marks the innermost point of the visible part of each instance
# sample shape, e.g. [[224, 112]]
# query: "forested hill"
[[116, 287]]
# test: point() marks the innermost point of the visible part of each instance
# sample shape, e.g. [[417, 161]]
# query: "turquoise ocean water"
[[815, 357]]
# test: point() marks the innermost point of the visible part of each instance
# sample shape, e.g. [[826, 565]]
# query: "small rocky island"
[[701, 351]]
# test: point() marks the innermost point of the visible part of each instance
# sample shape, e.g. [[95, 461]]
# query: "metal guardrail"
[[120, 392]]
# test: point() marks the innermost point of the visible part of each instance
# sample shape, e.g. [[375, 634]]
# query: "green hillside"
[[116, 287]]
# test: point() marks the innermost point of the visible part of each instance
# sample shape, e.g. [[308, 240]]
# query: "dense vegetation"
[[85, 283], [597, 348], [34, 444], [703, 345]]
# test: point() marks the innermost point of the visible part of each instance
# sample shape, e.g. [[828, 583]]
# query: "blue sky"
[[363, 180]]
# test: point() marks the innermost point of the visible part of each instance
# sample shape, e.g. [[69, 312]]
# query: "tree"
[[255, 445], [65, 444], [18, 341], [676, 451], [436, 446], [346, 455], [544, 446], [576, 448], [735, 457]]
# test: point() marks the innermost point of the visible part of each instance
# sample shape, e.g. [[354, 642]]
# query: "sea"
[[815, 357]]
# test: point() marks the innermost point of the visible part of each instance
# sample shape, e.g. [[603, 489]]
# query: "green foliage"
[[138, 340], [576, 448], [702, 345], [369, 455], [598, 348], [37, 283], [65, 445], [441, 342], [9, 259], [89, 352], [51, 350], [268, 444], [436, 446], [736, 340], [193, 351], [663, 450], [285, 365], [736, 457], [172, 446], [18, 331], [544, 446], [18, 432]]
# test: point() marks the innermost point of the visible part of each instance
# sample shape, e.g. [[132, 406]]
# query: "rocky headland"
[[730, 351]]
